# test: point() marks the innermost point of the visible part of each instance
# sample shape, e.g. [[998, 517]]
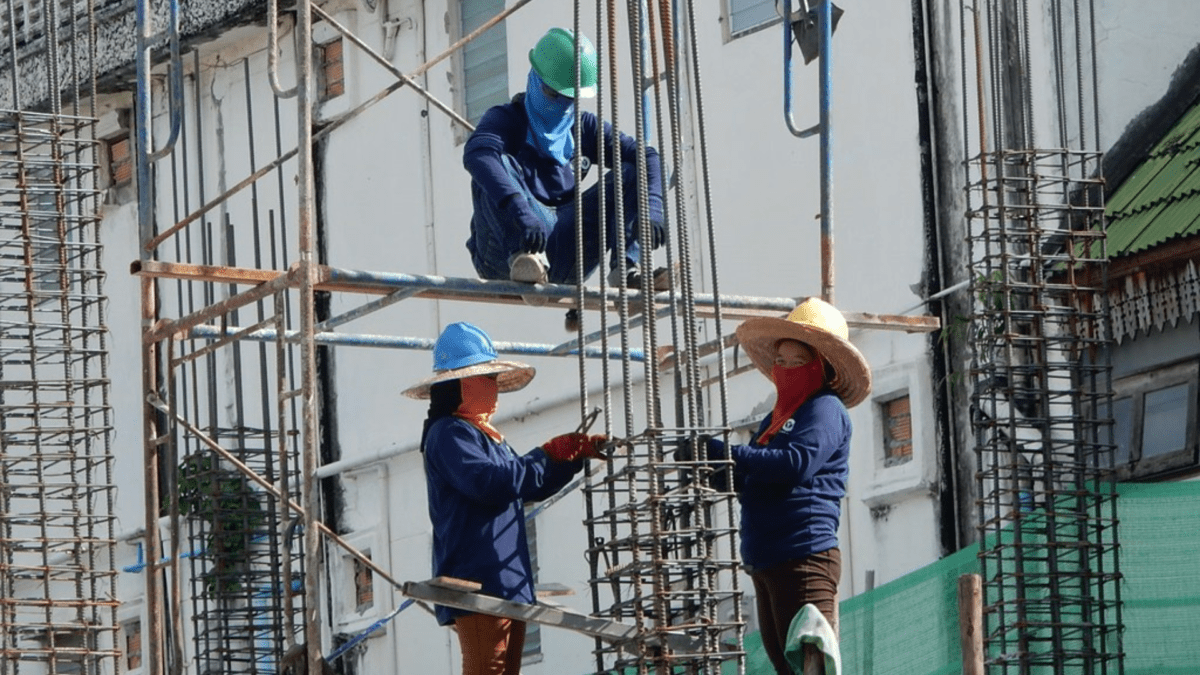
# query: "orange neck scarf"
[[479, 398], [793, 386]]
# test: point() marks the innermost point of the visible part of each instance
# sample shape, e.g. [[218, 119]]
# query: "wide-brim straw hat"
[[821, 326], [465, 350], [510, 376]]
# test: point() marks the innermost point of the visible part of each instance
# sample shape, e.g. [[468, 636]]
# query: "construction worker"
[[791, 477], [523, 179], [477, 487]]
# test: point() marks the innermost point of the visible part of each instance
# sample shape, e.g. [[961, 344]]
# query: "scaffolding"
[[236, 333], [1041, 401], [57, 577]]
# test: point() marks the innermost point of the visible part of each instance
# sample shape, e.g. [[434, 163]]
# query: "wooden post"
[[970, 623]]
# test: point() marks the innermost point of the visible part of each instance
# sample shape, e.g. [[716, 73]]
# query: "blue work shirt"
[[791, 489], [477, 493], [502, 131]]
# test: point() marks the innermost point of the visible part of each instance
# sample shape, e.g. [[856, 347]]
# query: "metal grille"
[[57, 581]]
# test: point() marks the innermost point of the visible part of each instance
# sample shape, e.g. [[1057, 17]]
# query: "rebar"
[[57, 578], [1041, 402]]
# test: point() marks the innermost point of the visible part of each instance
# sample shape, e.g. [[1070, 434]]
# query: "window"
[[133, 645], [331, 81], [45, 241], [120, 161], [896, 414], [484, 60], [747, 15], [1154, 421], [364, 586]]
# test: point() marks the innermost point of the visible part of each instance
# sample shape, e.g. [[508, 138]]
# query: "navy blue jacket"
[[477, 491], [503, 130], [791, 489]]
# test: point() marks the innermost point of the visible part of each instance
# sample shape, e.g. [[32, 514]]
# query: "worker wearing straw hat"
[[478, 486], [791, 476]]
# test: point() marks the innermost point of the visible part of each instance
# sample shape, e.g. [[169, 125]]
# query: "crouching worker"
[[478, 486], [523, 179]]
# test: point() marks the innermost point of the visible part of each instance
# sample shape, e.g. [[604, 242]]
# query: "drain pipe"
[[825, 30]]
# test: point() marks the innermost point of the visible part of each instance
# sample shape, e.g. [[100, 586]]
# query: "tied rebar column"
[[57, 578], [1041, 390]]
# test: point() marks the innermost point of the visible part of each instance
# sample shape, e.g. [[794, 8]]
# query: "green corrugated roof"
[[1160, 200]]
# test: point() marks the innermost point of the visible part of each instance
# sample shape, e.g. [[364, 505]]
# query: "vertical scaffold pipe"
[[312, 537], [825, 28]]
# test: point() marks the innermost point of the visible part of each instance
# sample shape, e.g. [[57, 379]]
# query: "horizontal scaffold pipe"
[[392, 342], [436, 287]]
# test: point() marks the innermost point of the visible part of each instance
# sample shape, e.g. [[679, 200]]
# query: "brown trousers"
[[491, 645], [781, 591]]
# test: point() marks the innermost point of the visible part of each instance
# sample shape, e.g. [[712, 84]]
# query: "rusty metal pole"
[[970, 623], [308, 269]]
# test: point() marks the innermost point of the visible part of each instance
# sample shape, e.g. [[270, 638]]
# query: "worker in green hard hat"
[[523, 180]]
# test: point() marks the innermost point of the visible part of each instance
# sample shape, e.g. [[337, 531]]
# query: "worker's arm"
[[794, 457], [491, 474], [483, 157]]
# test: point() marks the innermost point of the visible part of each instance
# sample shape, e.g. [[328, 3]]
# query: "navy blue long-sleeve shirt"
[[477, 491], [503, 130], [791, 489]]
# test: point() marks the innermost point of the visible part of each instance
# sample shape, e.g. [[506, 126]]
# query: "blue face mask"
[[550, 121]]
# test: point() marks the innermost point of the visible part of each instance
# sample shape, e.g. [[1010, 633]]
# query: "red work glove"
[[570, 447]]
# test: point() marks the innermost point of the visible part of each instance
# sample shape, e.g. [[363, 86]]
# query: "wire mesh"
[[57, 600]]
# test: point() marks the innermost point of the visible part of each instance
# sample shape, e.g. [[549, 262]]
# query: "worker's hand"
[[714, 449], [658, 224], [715, 455], [534, 239], [570, 447], [533, 233]]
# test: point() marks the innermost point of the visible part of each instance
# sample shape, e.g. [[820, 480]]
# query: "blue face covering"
[[550, 121]]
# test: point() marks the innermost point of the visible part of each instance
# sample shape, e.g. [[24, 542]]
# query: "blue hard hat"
[[464, 350], [461, 345]]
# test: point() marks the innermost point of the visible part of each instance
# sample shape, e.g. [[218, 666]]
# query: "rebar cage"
[[1041, 391], [56, 463]]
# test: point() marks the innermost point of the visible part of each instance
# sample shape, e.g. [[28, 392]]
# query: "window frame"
[[1136, 387], [732, 33], [458, 64]]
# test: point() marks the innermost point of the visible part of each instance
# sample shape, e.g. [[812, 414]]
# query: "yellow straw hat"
[[821, 326]]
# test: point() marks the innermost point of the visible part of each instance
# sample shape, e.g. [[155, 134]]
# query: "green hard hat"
[[553, 59]]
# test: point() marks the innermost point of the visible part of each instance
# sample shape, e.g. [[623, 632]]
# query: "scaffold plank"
[[443, 591]]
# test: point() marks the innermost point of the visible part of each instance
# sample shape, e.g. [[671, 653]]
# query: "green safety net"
[[910, 626]]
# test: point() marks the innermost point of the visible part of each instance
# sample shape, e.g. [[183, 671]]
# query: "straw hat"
[[464, 350], [821, 326]]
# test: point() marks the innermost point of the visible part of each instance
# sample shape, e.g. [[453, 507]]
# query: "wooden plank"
[[970, 623]]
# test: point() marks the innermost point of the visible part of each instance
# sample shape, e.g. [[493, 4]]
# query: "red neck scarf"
[[479, 398], [793, 386]]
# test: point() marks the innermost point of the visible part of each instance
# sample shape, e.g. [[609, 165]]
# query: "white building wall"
[[396, 198]]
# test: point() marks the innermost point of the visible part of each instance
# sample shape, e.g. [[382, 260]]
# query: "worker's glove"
[[714, 449], [533, 234], [534, 239], [715, 455], [570, 447], [658, 223]]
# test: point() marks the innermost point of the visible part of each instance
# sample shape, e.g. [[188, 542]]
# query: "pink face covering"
[[479, 399], [793, 386]]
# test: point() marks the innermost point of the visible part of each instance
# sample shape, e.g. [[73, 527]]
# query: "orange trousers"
[[491, 645]]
